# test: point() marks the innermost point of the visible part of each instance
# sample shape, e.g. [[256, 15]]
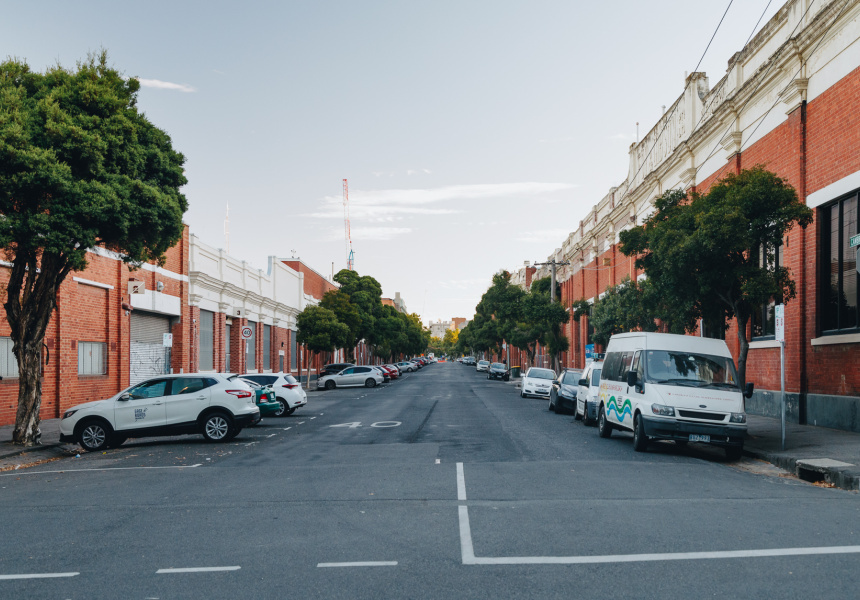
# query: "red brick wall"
[[315, 284]]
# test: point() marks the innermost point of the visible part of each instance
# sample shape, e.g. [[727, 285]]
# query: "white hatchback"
[[288, 391], [537, 382], [188, 403], [352, 376]]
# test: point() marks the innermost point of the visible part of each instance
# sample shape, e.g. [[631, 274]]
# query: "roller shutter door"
[[149, 356]]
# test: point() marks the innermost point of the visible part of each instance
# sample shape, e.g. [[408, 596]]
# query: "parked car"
[[264, 396], [482, 366], [386, 376], [562, 395], [672, 387], [392, 371], [408, 366], [288, 391], [537, 382], [351, 376], [189, 403], [588, 390], [335, 368], [498, 371]]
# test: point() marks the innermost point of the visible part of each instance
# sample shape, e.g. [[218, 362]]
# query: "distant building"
[[396, 302], [459, 322], [439, 328]]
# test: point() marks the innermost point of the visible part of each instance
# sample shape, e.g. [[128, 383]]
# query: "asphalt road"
[[440, 485]]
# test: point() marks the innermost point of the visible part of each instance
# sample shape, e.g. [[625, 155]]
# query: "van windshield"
[[684, 368]]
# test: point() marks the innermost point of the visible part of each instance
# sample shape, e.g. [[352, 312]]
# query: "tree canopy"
[[80, 167], [713, 256]]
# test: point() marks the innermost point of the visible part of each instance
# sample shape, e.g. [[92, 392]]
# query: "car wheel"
[[522, 394], [640, 440], [552, 407], [283, 408], [330, 385], [604, 427], [94, 435], [370, 382], [734, 452], [576, 415], [217, 427]]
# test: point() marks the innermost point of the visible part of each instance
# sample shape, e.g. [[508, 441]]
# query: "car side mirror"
[[583, 382], [125, 397], [748, 392]]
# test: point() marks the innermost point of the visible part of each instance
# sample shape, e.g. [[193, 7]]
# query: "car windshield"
[[499, 366], [541, 374], [483, 362], [571, 378], [684, 368]]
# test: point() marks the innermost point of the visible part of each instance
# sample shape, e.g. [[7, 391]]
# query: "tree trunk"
[[744, 350], [31, 296]]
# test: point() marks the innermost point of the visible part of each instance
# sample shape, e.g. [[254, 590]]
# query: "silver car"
[[351, 377]]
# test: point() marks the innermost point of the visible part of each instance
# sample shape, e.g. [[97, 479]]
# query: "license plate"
[[699, 438]]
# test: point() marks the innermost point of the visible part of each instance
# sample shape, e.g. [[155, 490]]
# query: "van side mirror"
[[748, 392], [632, 378], [583, 382]]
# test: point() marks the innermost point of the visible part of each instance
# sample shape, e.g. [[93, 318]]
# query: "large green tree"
[[80, 167], [714, 254], [319, 329], [624, 307], [365, 293]]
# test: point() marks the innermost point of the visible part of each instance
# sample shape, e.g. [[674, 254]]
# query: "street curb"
[[19, 450], [847, 478]]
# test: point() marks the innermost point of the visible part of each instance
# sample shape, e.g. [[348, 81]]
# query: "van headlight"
[[663, 411], [738, 418]]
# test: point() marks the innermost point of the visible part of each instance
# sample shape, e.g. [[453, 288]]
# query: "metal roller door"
[[149, 356]]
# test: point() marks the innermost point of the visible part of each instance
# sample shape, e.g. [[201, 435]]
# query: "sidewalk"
[[812, 453]]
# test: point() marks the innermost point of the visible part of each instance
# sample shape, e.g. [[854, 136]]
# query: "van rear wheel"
[[604, 427], [640, 440]]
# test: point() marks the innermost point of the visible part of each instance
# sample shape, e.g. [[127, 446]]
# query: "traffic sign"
[[780, 322], [167, 340], [247, 332], [854, 240]]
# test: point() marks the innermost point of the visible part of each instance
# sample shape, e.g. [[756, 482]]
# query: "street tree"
[[319, 330], [340, 303], [624, 307], [715, 254], [80, 167]]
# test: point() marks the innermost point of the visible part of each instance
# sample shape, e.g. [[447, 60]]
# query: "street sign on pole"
[[854, 241], [779, 318], [247, 332]]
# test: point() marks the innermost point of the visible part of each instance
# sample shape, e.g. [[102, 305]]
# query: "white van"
[[672, 387]]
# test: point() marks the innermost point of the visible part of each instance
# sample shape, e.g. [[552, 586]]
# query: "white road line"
[[461, 482], [273, 435], [197, 570], [380, 563], [38, 575], [300, 423], [287, 429], [19, 473], [622, 558], [467, 550], [312, 418], [438, 461]]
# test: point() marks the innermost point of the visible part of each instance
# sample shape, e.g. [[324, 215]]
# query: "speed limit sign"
[[247, 332]]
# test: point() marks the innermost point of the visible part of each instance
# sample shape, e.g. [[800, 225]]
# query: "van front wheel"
[[604, 428], [640, 440]]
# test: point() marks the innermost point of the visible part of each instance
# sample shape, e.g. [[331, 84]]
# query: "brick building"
[[790, 100], [108, 329]]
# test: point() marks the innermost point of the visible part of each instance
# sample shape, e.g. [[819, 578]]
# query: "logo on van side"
[[612, 406]]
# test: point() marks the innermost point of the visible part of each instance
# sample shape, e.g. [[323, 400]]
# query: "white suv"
[[288, 390], [189, 403]]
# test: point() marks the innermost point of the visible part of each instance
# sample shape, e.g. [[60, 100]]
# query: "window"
[[227, 329], [8, 362], [188, 385], [612, 366], [595, 377], [149, 389], [267, 347], [91, 358], [251, 347], [763, 319], [839, 307], [207, 340]]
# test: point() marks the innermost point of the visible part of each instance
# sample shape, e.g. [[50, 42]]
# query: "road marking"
[[38, 575], [381, 563], [288, 428], [622, 558], [312, 418], [467, 549], [273, 435], [383, 424], [300, 423], [197, 570], [18, 474], [438, 461], [461, 483]]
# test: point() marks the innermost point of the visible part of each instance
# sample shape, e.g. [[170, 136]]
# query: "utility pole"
[[552, 266]]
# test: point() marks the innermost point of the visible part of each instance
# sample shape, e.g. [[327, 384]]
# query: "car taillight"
[[291, 386], [240, 393]]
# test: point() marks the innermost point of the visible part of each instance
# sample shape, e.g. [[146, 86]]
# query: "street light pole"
[[552, 266]]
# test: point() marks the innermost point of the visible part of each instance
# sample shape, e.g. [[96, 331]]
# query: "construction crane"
[[350, 255]]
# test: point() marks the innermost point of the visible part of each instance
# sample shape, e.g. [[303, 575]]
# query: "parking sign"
[[780, 322]]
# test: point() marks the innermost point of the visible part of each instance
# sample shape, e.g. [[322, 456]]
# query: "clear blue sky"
[[474, 135]]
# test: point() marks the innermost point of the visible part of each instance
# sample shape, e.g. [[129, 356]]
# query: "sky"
[[474, 135]]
